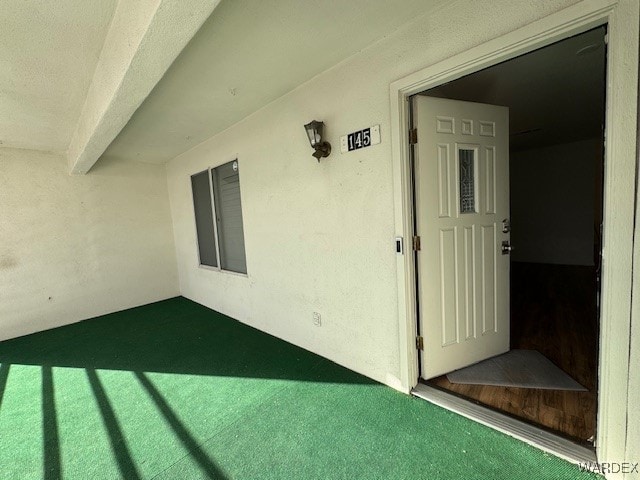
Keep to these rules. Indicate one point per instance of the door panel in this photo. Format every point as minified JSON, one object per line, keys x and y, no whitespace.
{"x":462,"y":197}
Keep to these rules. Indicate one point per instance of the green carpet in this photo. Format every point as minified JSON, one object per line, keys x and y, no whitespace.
{"x":174,"y":390}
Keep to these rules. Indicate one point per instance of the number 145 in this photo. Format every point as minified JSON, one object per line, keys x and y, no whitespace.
{"x":359,"y":139}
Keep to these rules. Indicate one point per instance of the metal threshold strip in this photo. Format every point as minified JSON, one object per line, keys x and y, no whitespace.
{"x":535,"y":436}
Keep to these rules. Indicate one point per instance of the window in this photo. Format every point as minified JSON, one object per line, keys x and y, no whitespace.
{"x":218,"y":212}
{"x":467,"y":179}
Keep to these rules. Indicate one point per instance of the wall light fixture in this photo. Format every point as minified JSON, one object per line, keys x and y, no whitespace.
{"x":315,"y":131}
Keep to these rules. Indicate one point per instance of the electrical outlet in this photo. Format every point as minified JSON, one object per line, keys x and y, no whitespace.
{"x":317,"y":319}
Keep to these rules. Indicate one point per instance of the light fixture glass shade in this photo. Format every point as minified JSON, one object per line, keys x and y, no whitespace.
{"x":314,"y":132}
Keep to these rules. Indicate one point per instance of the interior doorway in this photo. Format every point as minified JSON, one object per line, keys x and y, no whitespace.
{"x":556,"y":101}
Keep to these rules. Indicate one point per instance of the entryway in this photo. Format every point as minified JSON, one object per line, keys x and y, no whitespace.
{"x":508,"y":174}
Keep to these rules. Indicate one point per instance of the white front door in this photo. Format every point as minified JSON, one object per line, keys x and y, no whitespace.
{"x":462,"y":202}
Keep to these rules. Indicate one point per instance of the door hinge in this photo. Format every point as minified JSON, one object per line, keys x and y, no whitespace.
{"x":413,"y":136}
{"x":416,"y":243}
{"x":419,"y":343}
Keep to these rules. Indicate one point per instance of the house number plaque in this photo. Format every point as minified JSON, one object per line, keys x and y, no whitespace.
{"x":360,"y":139}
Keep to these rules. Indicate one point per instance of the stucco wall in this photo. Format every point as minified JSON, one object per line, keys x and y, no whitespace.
{"x":72,"y":248}
{"x":320,"y":236}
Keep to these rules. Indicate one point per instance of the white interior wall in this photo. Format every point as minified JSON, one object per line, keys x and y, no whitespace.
{"x":77,"y":247}
{"x":320,"y":236}
{"x":553,"y":203}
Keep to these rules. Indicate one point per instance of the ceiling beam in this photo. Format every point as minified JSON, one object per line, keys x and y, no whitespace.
{"x":144,"y":39}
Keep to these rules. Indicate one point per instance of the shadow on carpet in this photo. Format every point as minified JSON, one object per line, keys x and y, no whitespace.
{"x":175,"y":390}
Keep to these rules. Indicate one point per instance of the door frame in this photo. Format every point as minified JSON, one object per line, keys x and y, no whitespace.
{"x":621,"y":18}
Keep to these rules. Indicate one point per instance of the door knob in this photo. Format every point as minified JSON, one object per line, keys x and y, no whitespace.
{"x":506,"y":247}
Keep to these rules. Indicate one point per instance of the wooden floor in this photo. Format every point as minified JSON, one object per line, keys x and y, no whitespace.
{"x":553,"y":310}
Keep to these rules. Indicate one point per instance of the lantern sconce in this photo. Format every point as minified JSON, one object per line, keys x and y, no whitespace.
{"x":315,"y":131}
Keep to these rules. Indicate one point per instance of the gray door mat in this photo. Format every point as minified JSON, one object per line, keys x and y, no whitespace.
{"x":517,"y":368}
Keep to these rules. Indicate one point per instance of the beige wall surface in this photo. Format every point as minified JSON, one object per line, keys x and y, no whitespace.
{"x":320,"y":236}
{"x":72,"y":248}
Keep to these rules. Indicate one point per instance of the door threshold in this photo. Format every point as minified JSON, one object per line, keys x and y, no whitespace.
{"x":537,"y":437}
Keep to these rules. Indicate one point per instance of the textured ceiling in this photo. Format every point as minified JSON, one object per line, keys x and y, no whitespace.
{"x":48,"y":53}
{"x":247,"y":54}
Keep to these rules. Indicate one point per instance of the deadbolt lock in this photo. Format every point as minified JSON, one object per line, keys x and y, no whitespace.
{"x":506,"y":226}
